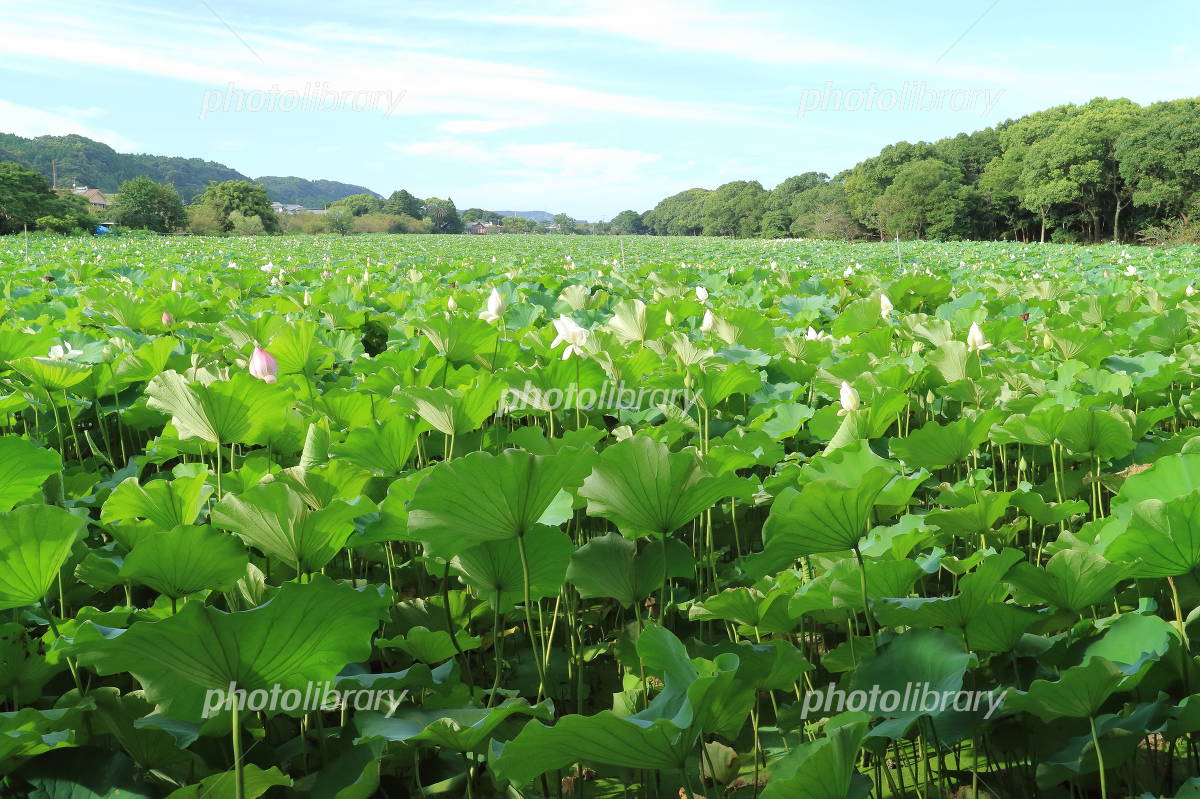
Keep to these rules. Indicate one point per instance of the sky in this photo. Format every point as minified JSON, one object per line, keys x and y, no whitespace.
{"x":582,"y":107}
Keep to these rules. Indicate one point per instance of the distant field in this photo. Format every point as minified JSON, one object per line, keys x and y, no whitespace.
{"x":589,"y":516}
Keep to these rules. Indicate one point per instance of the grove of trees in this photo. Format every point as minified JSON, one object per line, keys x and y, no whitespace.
{"x":1104,"y":170}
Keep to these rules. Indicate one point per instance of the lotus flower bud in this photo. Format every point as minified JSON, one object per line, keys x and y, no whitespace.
{"x":263,"y":365}
{"x":307,"y":300}
{"x":849,"y":398}
{"x":326,"y":274}
{"x":701,"y":293}
{"x":167,"y":319}
{"x":669,"y":318}
{"x":175,"y":285}
{"x":885,"y":306}
{"x":706,"y":324}
{"x":495,"y":308}
{"x":975,"y":339}
{"x":1189,"y":291}
{"x":451,"y":304}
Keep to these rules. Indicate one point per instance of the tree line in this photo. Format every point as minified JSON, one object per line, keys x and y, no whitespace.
{"x":1107,"y":170}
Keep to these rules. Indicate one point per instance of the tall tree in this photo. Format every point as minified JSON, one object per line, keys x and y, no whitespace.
{"x":143,"y":204}
{"x":924,"y":199}
{"x":443,"y":216}
{"x":239,"y":195}
{"x":627,"y":223}
{"x":1160,"y":159}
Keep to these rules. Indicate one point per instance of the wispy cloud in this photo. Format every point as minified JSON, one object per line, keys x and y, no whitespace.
{"x":29,"y":122}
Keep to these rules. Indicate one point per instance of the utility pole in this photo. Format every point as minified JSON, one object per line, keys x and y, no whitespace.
{"x":54,"y":174}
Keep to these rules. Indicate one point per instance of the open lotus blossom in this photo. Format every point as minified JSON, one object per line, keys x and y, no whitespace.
{"x":706,"y":324}
{"x":64,"y":352}
{"x":885,"y":306}
{"x":495,"y":308}
{"x":167,"y":319}
{"x":231,"y":265}
{"x":1131,"y":270}
{"x":815,"y":335}
{"x":976,"y":342}
{"x":849,"y":398}
{"x":571,"y":334}
{"x":1189,"y":291}
{"x":326,"y":274}
{"x":701,"y":293}
{"x":267,"y":267}
{"x":263,"y":365}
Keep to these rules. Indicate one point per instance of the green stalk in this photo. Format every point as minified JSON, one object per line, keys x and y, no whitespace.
{"x":1099,"y":759}
{"x":541,"y":667}
{"x":239,"y":780}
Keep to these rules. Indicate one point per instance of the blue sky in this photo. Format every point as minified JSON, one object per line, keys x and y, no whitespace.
{"x":583,"y":107}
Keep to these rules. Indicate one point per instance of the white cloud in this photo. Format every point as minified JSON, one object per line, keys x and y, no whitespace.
{"x":29,"y":122}
{"x":490,"y":125}
{"x":565,"y":159}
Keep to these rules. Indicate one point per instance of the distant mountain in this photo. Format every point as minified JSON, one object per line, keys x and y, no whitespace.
{"x":87,"y":162}
{"x":309,"y":193}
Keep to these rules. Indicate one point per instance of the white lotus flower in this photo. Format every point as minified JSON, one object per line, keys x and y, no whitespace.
{"x":63,"y":352}
{"x":495,"y":308}
{"x":706,"y":324}
{"x":669,"y":318}
{"x":848,"y":271}
{"x":307,"y":298}
{"x":175,"y":285}
{"x":231,"y":265}
{"x":701,"y":293}
{"x":571,"y":334}
{"x":1189,"y":291}
{"x":267,"y":267}
{"x":816,"y":335}
{"x":451,"y":304}
{"x":849,"y":399}
{"x":885,"y":306}
{"x":1130,"y":270}
{"x":976,"y":342}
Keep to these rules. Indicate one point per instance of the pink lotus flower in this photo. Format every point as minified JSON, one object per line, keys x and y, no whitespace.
{"x":167,"y":319}
{"x":263,"y":365}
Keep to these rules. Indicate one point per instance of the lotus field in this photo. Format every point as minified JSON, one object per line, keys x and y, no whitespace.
{"x":581,"y":517}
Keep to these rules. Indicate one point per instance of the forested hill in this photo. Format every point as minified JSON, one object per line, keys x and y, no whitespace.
{"x":92,"y":163}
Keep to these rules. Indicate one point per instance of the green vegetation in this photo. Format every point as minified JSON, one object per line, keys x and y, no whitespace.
{"x":595,"y":517}
{"x":26,"y":202}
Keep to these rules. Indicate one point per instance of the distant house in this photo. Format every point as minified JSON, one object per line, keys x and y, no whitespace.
{"x":492,"y":228}
{"x":290,"y":209}
{"x":476,"y":228}
{"x":95,"y":197}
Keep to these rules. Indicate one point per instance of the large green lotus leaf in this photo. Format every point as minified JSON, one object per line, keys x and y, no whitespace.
{"x":1163,"y":538}
{"x":274,"y":518}
{"x":456,"y":411}
{"x":297,"y":349}
{"x":978,"y":517}
{"x":1072,"y":580}
{"x":165,"y":503}
{"x":825,"y":768}
{"x":1132,"y":640}
{"x":23,"y":468}
{"x":1040,"y":428}
{"x":998,"y":627}
{"x":870,"y":422}
{"x":151,"y":746}
{"x":645,"y":489}
{"x":824,"y":516}
{"x":935,"y":446}
{"x":1096,"y":432}
{"x":931,"y":657}
{"x":391,"y":524}
{"x":186,"y":560}
{"x":610,"y":566}
{"x":382,"y":448}
{"x":953,"y":362}
{"x":242,"y":409}
{"x":484,"y":497}
{"x":430,"y":646}
{"x":28,"y":732}
{"x":146,"y":361}
{"x":35,"y":541}
{"x":739,"y":605}
{"x":712,"y":386}
{"x":256,"y":782}
{"x":1032,"y":503}
{"x":461,"y":339}
{"x":1169,"y":477}
{"x":1077,"y":693}
{"x":320,"y":485}
{"x":467,"y":729}
{"x":306,"y":634}
{"x":493,"y":568}
{"x":52,"y":374}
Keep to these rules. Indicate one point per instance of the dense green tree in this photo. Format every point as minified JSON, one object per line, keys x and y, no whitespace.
{"x":519,"y":224}
{"x":563,"y":223}
{"x":627,"y":223}
{"x":26,"y":198}
{"x":248,"y":198}
{"x":401,"y":202}
{"x":1160,"y":159}
{"x":341,"y":220}
{"x":146,"y":205}
{"x":481,"y":215}
{"x":735,"y":209}
{"x":680,"y":214}
{"x":442,"y":215}
{"x":359,"y":204}
{"x":867,"y":181}
{"x":923,"y":200}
